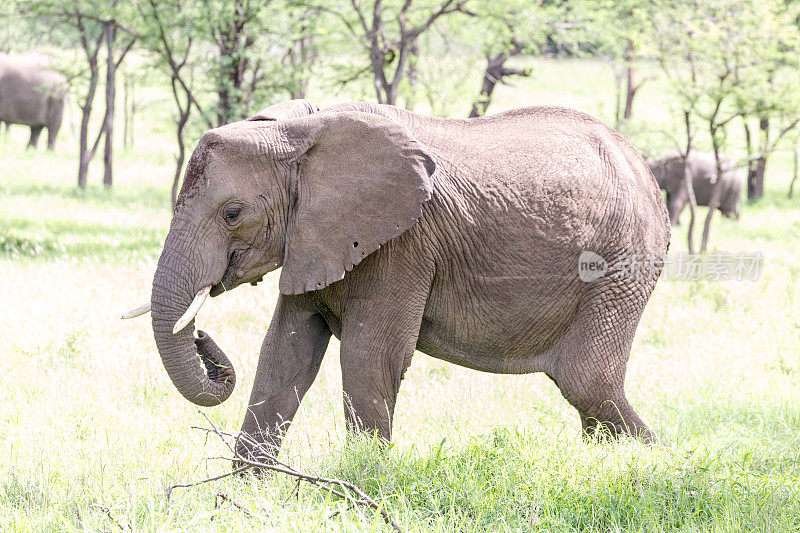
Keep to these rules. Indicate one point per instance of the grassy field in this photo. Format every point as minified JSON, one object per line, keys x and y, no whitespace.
{"x":92,"y":431}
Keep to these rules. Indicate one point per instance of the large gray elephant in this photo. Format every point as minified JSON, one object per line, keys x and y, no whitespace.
{"x":668,"y":171}
{"x":501,"y":243}
{"x":33,"y":96}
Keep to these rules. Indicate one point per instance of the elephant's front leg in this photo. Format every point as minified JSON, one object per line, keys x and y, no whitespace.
{"x":291,"y":355}
{"x":379,"y":335}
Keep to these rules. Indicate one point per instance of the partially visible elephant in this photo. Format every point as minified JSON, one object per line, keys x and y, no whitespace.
{"x":500,"y":243}
{"x":33,"y":96}
{"x":668,"y":172}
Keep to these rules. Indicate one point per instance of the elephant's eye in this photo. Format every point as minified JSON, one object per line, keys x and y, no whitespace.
{"x":232,"y":213}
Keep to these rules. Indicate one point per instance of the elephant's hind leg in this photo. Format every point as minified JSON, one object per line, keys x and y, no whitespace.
{"x":589,"y":362}
{"x":51,"y":138}
{"x":35,"y":132}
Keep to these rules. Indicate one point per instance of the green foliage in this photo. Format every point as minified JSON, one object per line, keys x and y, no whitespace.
{"x":730,"y":58}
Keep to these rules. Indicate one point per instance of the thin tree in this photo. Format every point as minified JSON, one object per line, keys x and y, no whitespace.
{"x":129,"y":105}
{"x":687,"y":181}
{"x":496,"y":72}
{"x":111,"y":30}
{"x":795,"y":169}
{"x":716,"y":128}
{"x":715,"y":58}
{"x":302,"y":51}
{"x":233,"y":27}
{"x":389,"y":36}
{"x":91,"y":23}
{"x":91,"y":38}
{"x":619,"y":29}
{"x":166,"y":32}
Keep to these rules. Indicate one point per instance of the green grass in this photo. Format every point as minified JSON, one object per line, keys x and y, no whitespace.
{"x":92,"y":431}
{"x":26,"y":237}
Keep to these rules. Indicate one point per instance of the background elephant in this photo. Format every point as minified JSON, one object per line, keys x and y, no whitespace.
{"x":668,"y":172}
{"x":33,"y":96}
{"x":397,"y":231}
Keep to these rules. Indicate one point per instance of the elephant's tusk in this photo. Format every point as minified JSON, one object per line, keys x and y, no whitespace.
{"x":139,"y":311}
{"x":194,"y":307}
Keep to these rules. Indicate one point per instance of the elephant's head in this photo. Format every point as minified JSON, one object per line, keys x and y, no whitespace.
{"x":314,"y":192}
{"x":731,"y":195}
{"x":666,"y":169}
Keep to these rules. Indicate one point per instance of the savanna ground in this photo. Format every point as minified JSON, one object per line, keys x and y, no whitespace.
{"x":92,"y":431}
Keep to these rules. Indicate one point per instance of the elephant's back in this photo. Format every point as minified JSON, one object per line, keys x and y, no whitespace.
{"x":26,"y":90}
{"x":550,"y":175}
{"x":561,"y":174}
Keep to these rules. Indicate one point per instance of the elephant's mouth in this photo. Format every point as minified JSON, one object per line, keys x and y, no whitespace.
{"x":227,"y":284}
{"x":216,"y":290}
{"x":236,"y":274}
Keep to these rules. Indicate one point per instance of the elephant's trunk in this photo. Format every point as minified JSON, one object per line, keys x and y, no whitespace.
{"x":173,"y":290}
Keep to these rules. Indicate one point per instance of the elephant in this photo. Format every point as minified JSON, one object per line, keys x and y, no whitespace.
{"x":668,"y":172}
{"x":461,"y":238}
{"x":32,"y":95}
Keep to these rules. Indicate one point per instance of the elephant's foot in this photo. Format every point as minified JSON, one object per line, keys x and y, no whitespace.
{"x":610,"y":423}
{"x":256,"y":452}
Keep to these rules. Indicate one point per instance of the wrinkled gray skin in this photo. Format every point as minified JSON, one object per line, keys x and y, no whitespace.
{"x":668,"y":172}
{"x":397,"y":231}
{"x":32,"y":96}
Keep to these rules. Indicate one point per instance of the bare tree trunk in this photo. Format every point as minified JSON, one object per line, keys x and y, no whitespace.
{"x":755,"y":175}
{"x":713,"y":203}
{"x":177,"y":62}
{"x":795,"y":170}
{"x":386,"y":53}
{"x":301,"y":54}
{"x":176,"y":177}
{"x":618,"y":78}
{"x":492,"y":74}
{"x":413,"y":75}
{"x":687,"y":179}
{"x":632,"y":86}
{"x":91,"y":47}
{"x":226,"y":85}
{"x":132,"y":129}
{"x":183,"y":118}
{"x":495,"y":73}
{"x":234,"y":43}
{"x":760,"y":170}
{"x":126,"y":116}
{"x":84,"y":155}
{"x":391,"y":94}
{"x":748,"y":145}
{"x":83,"y":149}
{"x":111,"y":89}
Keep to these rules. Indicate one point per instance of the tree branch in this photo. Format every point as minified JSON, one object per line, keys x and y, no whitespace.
{"x":337,"y":487}
{"x":174,"y":66}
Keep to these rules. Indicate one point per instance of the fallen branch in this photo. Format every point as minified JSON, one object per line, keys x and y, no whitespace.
{"x":106,"y":511}
{"x":208,"y":480}
{"x":222,"y":497}
{"x":337,"y":487}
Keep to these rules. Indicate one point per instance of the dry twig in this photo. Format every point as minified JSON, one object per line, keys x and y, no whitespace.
{"x":222,"y":497}
{"x":106,"y":511}
{"x":337,"y":487}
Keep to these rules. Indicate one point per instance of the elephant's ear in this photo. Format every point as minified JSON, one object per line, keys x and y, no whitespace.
{"x":285,"y":110}
{"x":361,"y":181}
